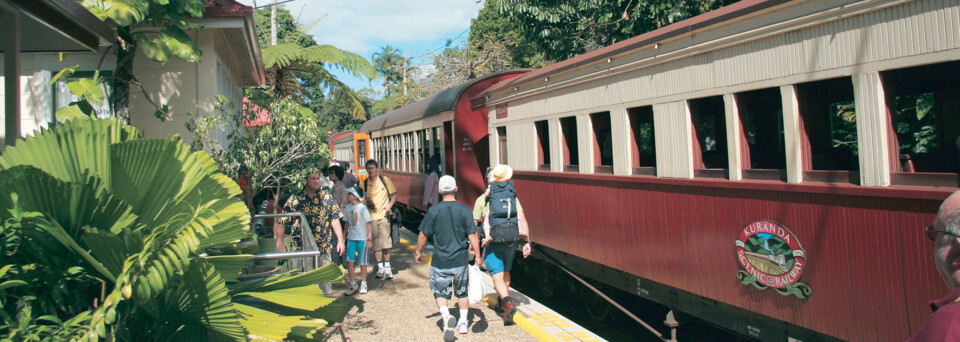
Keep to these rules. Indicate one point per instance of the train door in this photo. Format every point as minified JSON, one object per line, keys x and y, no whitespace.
{"x":360,"y":159}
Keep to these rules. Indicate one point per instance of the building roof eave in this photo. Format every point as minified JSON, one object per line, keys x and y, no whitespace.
{"x":74,"y":26}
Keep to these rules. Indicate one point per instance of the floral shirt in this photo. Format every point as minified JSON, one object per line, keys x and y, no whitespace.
{"x":319,"y":210}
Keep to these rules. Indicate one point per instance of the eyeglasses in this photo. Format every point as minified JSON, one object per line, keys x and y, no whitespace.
{"x":932,"y":233}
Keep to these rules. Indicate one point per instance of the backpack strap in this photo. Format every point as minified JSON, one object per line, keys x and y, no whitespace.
{"x":385,"y":188}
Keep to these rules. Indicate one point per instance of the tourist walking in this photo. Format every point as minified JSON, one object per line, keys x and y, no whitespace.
{"x":449,"y":227}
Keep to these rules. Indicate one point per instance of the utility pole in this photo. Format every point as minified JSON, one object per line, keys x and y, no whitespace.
{"x":273,"y":23}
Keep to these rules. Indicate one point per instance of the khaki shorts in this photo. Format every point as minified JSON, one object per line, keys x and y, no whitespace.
{"x":381,"y":235}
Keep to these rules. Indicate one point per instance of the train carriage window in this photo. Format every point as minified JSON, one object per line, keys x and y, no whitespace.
{"x":422,"y":150}
{"x":394,"y":153}
{"x":710,"y":131}
{"x":763,"y":155}
{"x":361,"y":153}
{"x":571,"y":153}
{"x":502,"y":143}
{"x":830,"y":123}
{"x":408,"y":152}
{"x":922,"y":103}
{"x":543,"y":145}
{"x":602,"y":142}
{"x":435,"y":137}
{"x":643,"y":143}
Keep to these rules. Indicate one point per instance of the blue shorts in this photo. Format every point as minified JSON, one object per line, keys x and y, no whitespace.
{"x":354,"y":247}
{"x":499,"y":257}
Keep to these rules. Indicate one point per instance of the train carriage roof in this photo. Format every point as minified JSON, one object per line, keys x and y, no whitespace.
{"x":730,"y":12}
{"x":441,"y":102}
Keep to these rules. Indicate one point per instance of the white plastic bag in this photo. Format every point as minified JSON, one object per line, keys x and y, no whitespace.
{"x":475,"y":289}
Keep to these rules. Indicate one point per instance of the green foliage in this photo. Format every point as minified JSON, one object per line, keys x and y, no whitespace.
{"x":297,"y":67}
{"x":288,"y":30}
{"x":491,"y":26}
{"x":86,"y":90}
{"x":276,"y":154}
{"x":103,"y":236}
{"x":156,"y":27}
{"x":168,"y":15}
{"x":843,"y":126}
{"x":917,"y":123}
{"x":566,"y":28}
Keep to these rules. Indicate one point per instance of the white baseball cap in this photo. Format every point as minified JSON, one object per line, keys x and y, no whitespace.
{"x":447,"y":184}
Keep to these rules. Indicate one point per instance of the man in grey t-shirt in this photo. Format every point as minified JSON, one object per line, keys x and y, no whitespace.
{"x":449,"y":226}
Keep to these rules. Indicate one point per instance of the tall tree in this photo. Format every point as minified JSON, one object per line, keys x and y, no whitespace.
{"x":565,"y":28}
{"x":391,"y":64}
{"x":297,"y":58}
{"x":492,"y":28}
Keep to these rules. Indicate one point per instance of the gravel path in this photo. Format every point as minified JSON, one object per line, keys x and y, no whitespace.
{"x":403,"y":309}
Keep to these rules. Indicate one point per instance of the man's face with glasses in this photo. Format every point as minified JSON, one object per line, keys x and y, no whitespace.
{"x":933,"y":233}
{"x":946,"y":252}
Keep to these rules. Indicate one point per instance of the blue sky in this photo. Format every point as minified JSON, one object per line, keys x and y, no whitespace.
{"x":415,"y":27}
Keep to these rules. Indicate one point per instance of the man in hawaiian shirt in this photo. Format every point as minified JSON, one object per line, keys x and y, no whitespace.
{"x":322,"y":213}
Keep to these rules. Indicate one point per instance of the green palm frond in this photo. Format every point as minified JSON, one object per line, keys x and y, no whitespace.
{"x":341,"y":93}
{"x":216,"y":311}
{"x":307,"y":298}
{"x":347,"y":61}
{"x":264,"y":325}
{"x":138,"y":211}
{"x":67,"y":153}
{"x":284,"y":55}
{"x":229,"y":266}
{"x":328,"y":273}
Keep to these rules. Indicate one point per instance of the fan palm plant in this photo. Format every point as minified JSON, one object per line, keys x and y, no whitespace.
{"x":104,"y":236}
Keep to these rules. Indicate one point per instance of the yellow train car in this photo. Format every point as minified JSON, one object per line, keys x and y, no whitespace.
{"x":351,"y":147}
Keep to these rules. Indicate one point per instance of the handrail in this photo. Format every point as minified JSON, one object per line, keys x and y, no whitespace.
{"x":308,"y":245}
{"x":285,"y":255}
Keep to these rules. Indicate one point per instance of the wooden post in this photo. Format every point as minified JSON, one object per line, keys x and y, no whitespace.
{"x":11,"y":73}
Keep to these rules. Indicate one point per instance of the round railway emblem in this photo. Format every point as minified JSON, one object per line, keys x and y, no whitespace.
{"x":771,"y":256}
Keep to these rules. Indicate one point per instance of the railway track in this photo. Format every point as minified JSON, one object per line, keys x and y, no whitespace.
{"x":545,"y":283}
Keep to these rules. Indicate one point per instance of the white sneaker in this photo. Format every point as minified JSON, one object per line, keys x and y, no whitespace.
{"x":380,"y":272}
{"x":448,"y":325}
{"x":351,"y":289}
{"x":387,"y":273}
{"x":363,"y":287}
{"x":462,"y":325}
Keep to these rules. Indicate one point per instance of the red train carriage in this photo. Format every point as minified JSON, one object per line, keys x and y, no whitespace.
{"x":444,"y":124}
{"x":767,"y":167}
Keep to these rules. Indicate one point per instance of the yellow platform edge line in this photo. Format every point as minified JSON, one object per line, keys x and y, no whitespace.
{"x":413,"y":248}
{"x":522,"y":321}
{"x":533,"y":329}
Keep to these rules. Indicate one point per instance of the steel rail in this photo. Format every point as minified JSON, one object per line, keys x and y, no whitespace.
{"x":307,"y":243}
{"x":670,"y":322}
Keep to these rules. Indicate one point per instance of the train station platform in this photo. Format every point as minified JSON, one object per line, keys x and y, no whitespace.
{"x":403,"y":309}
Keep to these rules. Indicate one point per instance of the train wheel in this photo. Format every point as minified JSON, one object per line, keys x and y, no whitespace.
{"x":597,"y":307}
{"x":547,"y":282}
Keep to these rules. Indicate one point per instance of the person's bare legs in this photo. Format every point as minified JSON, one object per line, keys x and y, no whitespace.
{"x":363,"y":272}
{"x":500,"y":284}
{"x":350,"y":277}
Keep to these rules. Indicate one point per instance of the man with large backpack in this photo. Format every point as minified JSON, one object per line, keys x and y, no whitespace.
{"x":502,"y":213}
{"x":380,"y":196}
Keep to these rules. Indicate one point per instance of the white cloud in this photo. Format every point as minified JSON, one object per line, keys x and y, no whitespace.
{"x":363,"y":26}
